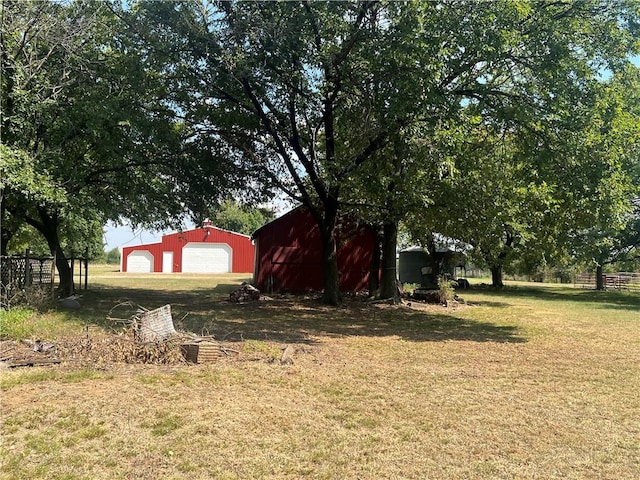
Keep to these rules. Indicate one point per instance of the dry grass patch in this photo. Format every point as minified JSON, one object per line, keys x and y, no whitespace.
{"x":539,"y":383}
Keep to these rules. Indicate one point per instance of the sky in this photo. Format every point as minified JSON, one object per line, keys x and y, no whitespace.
{"x":125,"y":236}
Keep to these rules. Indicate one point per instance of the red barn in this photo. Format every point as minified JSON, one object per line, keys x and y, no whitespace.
{"x":203,"y":250}
{"x":289,"y":254}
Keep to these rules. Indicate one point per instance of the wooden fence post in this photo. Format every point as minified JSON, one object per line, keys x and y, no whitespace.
{"x":53,"y":277}
{"x":27,"y":269}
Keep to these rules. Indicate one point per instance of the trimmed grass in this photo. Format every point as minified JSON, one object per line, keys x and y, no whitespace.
{"x":531,"y":382}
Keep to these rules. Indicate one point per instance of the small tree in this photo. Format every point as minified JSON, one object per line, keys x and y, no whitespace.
{"x":236,"y":217}
{"x":113,"y":256}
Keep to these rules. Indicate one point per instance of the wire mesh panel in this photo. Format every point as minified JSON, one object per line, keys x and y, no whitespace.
{"x":13,"y":272}
{"x":42,"y":270}
{"x":18,"y":273}
{"x":156,"y":325}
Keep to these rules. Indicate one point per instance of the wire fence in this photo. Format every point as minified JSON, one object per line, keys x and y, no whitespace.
{"x":617,"y":281}
{"x":19,"y":273}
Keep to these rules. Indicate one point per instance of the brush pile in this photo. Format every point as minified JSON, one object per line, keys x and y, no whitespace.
{"x":122,"y":347}
{"x":150,"y":337}
{"x":244,"y":293}
{"x":27,"y":353}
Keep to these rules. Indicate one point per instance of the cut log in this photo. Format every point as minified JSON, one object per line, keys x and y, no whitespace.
{"x":34,"y":362}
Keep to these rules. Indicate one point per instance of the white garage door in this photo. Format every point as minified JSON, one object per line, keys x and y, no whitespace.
{"x":140,"y":261}
{"x":206,"y":258}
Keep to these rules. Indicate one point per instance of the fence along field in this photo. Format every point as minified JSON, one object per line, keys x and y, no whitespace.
{"x":19,"y":273}
{"x":619,"y":281}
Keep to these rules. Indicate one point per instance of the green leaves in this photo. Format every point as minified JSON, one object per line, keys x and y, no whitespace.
{"x":493,"y":117}
{"x":233,"y":216}
{"x":21,"y":182}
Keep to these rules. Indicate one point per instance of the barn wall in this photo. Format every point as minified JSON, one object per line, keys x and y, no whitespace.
{"x":354,"y":259}
{"x":289,"y":254}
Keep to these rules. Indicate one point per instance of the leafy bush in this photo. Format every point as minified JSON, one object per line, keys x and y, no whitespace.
{"x":409,"y":288}
{"x":446,"y":292}
{"x":113,"y":257}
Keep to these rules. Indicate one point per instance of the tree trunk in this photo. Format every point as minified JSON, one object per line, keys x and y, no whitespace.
{"x":5,"y":236}
{"x":5,"y":233}
{"x":599,"y":278}
{"x":496,"y":276}
{"x":65,"y":275}
{"x":49,"y":229}
{"x":374,"y":270}
{"x":331,"y":295}
{"x":389,"y":283}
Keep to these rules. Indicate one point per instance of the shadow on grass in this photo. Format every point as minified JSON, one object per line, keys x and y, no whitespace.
{"x":290,"y":319}
{"x":615,"y":299}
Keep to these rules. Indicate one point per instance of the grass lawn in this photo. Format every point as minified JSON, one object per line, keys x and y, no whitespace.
{"x":536,"y":381}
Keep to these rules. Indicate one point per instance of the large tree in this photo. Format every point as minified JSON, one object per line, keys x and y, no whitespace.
{"x":548,"y":191}
{"x":91,"y":117}
{"x":275,"y":81}
{"x":610,"y":231}
{"x":67,"y":101}
{"x":505,"y":92}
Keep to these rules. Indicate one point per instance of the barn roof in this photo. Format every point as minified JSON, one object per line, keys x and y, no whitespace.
{"x":276,"y":220}
{"x":210,"y":227}
{"x":422,"y":249}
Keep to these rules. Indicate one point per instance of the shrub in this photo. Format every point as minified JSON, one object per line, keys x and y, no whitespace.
{"x":409,"y":288}
{"x":113,"y":257}
{"x":446,"y":292}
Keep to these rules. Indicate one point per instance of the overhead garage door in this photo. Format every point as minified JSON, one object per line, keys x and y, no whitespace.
{"x":206,"y":258}
{"x":140,"y":261}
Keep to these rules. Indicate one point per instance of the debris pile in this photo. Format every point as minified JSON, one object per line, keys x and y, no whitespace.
{"x":141,"y":336}
{"x":27,"y":353}
{"x":154,"y":329}
{"x":244,"y":293}
{"x":122,"y":347}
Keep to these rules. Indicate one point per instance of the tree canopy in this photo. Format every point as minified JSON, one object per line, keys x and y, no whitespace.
{"x":86,"y":112}
{"x":241,"y":218}
{"x":477,"y":119}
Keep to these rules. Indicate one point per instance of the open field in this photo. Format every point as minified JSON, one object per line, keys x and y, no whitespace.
{"x":532,"y":382}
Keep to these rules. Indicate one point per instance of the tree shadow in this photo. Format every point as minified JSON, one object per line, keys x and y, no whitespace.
{"x":290,"y":319}
{"x":623,"y":300}
{"x":285,"y":323}
{"x":490,"y":303}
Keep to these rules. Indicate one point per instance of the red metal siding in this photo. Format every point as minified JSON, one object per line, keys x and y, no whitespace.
{"x":289,"y":254}
{"x":241,"y":247}
{"x":155,"y":249}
